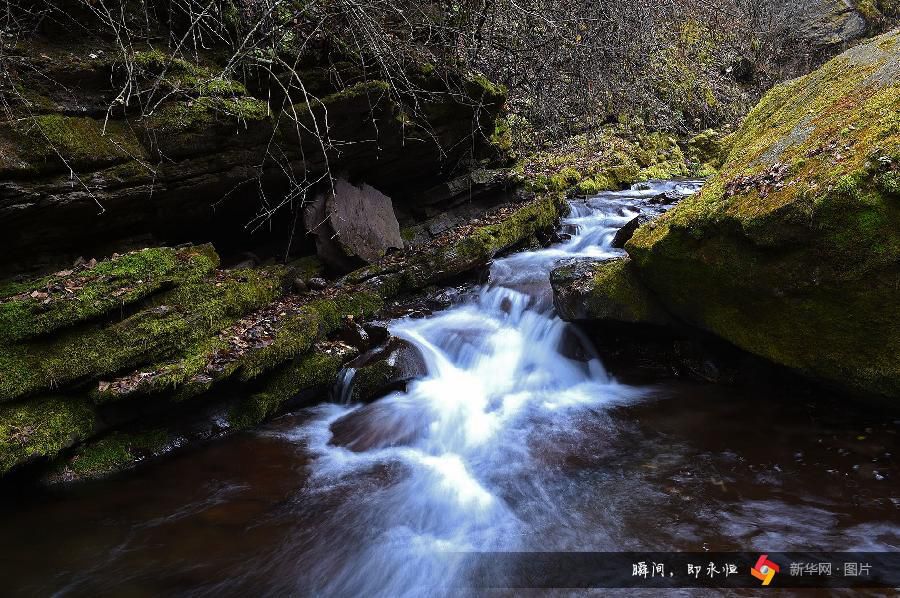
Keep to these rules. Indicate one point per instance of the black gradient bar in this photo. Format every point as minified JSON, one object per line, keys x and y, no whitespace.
{"x":676,"y":569}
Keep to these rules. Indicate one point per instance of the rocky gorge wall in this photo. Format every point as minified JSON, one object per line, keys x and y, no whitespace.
{"x":791,"y":251}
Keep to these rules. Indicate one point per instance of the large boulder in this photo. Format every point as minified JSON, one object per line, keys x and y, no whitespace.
{"x":792,"y":251}
{"x":352,"y":225}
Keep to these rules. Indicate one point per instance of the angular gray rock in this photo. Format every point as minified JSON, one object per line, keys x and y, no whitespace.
{"x":352,"y":225}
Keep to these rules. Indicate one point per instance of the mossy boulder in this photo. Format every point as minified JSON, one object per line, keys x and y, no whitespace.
{"x":792,"y":251}
{"x":605,"y":291}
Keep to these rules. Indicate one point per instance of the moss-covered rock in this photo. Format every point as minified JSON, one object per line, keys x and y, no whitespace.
{"x":793,"y":251}
{"x":705,"y":152}
{"x":606,"y":291}
{"x":114,"y":453}
{"x":463,"y":249}
{"x":257,"y":343}
{"x":610,"y":158}
{"x":48,"y":143}
{"x":313,"y":373}
{"x":178,"y":318}
{"x":42,"y":428}
{"x":68,"y":297}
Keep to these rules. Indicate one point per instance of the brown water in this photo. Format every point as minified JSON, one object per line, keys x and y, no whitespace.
{"x":694,"y":467}
{"x":507,"y":444}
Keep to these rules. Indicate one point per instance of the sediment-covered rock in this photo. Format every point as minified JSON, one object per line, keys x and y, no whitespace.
{"x":792,"y":251}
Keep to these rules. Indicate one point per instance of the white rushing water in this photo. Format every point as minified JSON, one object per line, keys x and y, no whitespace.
{"x":460,"y":448}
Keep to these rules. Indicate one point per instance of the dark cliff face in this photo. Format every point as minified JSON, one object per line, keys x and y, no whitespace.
{"x":105,"y":147}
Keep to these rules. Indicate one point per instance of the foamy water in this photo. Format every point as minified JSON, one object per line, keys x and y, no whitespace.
{"x":497,"y":376}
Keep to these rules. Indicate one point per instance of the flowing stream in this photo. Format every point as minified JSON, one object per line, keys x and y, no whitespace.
{"x":467,"y":434}
{"x":517,"y":439}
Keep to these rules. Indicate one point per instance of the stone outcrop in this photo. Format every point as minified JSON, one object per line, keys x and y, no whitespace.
{"x":792,"y":252}
{"x":109,"y":363}
{"x":352,"y":225}
{"x":626,"y":232}
{"x":80,"y":172}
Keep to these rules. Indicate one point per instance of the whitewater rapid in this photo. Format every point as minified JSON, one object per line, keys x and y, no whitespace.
{"x":459,"y":461}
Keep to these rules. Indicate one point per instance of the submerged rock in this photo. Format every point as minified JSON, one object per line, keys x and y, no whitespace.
{"x":792,"y":252}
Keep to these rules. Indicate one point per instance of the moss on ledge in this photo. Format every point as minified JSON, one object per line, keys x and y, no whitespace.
{"x":292,"y":326}
{"x":72,"y":296}
{"x":312,"y":373}
{"x":611,"y":158}
{"x":41,"y":429}
{"x":466,"y":249}
{"x":112,"y":454}
{"x":179,"y":318}
{"x":177,"y":74}
{"x":54,"y":143}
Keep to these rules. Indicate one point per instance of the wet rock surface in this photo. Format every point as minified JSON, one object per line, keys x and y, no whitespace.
{"x":383,"y":370}
{"x":626,"y":232}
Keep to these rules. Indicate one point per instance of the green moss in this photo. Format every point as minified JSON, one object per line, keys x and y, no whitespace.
{"x":306,"y":267}
{"x":195,"y":115}
{"x":179,"y":318}
{"x":799,"y":265}
{"x":609,"y":158}
{"x":370,"y":379}
{"x":53,"y":142}
{"x":189,"y":373}
{"x":41,"y":429}
{"x":365,"y":89}
{"x":59,"y":301}
{"x":606,"y":290}
{"x":480,"y":87}
{"x":312,"y":373}
{"x":112,"y":454}
{"x":502,"y":138}
{"x":177,"y":74}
